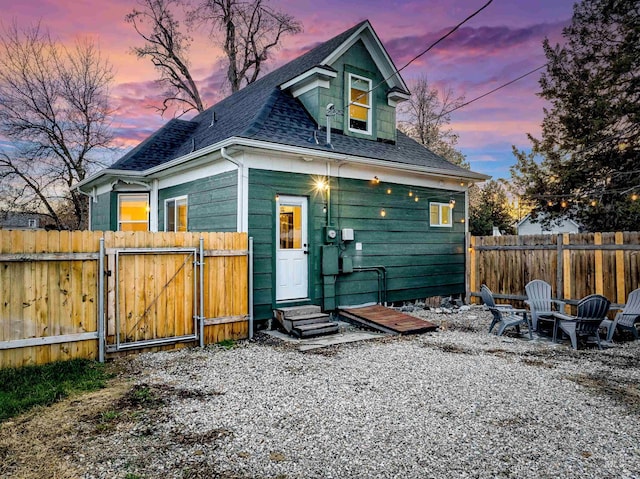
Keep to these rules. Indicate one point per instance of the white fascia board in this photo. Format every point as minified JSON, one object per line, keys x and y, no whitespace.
{"x":316,"y":77}
{"x":198,"y":157}
{"x":377,"y":52}
{"x":259,"y":159}
{"x":395,"y":97}
{"x":330,"y":155}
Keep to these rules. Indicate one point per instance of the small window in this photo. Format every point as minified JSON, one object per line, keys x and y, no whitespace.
{"x":133,"y":212}
{"x":33,"y":223}
{"x":440,"y":214}
{"x":359,"y":104}
{"x":175,"y":211}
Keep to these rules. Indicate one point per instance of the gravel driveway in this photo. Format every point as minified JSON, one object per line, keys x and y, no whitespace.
{"x":455,"y":403}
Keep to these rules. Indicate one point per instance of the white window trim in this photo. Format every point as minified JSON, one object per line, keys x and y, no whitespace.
{"x":441,"y":208}
{"x":121,"y":195}
{"x":369,"y":107}
{"x":166,"y":206}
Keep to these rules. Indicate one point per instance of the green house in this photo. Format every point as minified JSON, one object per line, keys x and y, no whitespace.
{"x":344,"y":209}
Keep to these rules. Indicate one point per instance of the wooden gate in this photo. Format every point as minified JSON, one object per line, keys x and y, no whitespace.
{"x":156,"y":297}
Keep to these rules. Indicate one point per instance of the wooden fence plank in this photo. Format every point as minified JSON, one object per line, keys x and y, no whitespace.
{"x":51,"y":281}
{"x":621,"y":296}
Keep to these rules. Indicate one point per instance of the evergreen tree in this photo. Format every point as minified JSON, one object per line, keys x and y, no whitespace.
{"x":586,"y":165}
{"x":489,"y":208}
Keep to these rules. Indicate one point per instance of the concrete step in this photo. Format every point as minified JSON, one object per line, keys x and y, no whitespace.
{"x":297,"y":310}
{"x":316,"y":329}
{"x":308,"y":318}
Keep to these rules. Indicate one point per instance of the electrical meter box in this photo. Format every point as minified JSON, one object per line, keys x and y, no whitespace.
{"x":330,"y":234}
{"x":347,"y":234}
{"x":330,"y":255}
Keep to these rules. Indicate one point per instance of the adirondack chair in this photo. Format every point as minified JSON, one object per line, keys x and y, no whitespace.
{"x":539,"y":301}
{"x":626,"y":318}
{"x":592,"y":310}
{"x":504,"y":315}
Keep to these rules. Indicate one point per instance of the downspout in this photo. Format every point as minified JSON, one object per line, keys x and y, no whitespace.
{"x":240,"y":226}
{"x":94,"y":199}
{"x":328,"y":193}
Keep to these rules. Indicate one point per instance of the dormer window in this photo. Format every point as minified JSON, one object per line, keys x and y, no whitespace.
{"x":360,"y":104}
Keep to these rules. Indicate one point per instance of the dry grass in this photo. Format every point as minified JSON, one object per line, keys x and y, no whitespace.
{"x":38,"y":444}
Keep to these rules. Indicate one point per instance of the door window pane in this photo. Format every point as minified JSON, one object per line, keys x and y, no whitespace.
{"x":290,"y":227}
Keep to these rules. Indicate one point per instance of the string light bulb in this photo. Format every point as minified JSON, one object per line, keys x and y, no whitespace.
{"x":594,"y":202}
{"x":563,"y":204}
{"x":383,"y":213}
{"x":410,"y":193}
{"x":388,"y":191}
{"x":549,"y":203}
{"x":376,"y":180}
{"x":634,"y":197}
{"x":416,"y":199}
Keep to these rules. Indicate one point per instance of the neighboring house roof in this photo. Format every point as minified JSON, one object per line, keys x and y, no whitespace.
{"x":565,"y":224}
{"x":263,"y":111}
{"x":18,"y":220}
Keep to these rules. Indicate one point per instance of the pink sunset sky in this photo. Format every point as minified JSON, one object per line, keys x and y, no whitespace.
{"x":501,"y":43}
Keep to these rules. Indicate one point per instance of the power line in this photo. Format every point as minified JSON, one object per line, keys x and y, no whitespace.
{"x":450,"y":32}
{"x":490,"y":92}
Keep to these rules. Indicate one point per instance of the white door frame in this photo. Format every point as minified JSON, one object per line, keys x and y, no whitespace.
{"x":292,"y":263}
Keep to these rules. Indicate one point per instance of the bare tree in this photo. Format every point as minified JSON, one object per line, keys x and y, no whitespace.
{"x":54,"y":113}
{"x":168,"y":48}
{"x":427,"y":121}
{"x":248,"y":31}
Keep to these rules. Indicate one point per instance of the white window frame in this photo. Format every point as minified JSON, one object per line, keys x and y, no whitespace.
{"x":32,"y":223}
{"x":369,"y":107}
{"x":123,"y":195}
{"x":175,"y":219}
{"x":442,"y":207}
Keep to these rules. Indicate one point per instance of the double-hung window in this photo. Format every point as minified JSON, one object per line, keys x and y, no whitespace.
{"x":440,"y":214}
{"x":133,"y":212}
{"x":359,"y":104}
{"x":175,"y":213}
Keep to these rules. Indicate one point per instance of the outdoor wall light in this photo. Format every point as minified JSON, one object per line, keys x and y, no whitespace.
{"x":452,"y":203}
{"x":321,"y":184}
{"x":277,"y":197}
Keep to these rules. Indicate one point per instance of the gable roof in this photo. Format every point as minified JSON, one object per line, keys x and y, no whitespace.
{"x":262,"y":111}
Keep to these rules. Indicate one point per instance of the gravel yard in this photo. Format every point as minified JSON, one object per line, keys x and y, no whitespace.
{"x":454,"y":403}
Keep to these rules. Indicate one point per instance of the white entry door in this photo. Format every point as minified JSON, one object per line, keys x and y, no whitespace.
{"x":292,"y":266}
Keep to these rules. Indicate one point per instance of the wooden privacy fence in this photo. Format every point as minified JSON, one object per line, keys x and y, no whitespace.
{"x":84,"y":294}
{"x":575,"y":265}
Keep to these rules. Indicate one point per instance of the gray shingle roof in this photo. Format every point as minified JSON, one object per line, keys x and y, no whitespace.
{"x":262,"y":111}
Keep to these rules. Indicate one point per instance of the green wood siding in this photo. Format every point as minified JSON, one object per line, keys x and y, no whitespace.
{"x":212,"y":203}
{"x":420,"y":260}
{"x":101,"y":213}
{"x":355,"y":60}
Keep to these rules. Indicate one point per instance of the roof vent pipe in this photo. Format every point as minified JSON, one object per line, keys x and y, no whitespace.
{"x":331,"y":111}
